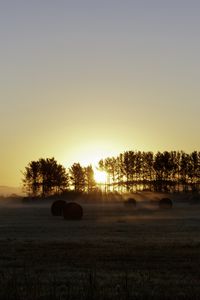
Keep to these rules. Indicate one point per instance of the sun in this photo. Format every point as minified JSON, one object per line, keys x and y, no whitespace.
{"x":100,"y":176}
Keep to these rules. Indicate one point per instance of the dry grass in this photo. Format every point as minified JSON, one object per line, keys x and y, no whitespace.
{"x":113,"y":253}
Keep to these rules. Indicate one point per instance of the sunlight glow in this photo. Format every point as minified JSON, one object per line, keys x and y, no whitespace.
{"x":89,"y":151}
{"x":100,"y":176}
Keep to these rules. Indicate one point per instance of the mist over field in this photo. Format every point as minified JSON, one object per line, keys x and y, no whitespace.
{"x":7,"y":191}
{"x":137,"y":252}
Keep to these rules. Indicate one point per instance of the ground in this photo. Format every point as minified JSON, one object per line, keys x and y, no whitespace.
{"x":114,"y":252}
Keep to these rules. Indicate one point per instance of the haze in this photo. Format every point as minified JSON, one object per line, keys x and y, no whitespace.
{"x":81,"y":80}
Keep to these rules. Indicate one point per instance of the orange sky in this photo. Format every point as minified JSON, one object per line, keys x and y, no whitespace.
{"x":81,"y":81}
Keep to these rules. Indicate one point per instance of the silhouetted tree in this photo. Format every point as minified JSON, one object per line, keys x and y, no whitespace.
{"x":184,"y":169}
{"x":163,"y":171}
{"x":110,"y":169}
{"x":148,"y":169}
{"x":193,"y":167}
{"x":119,"y":172}
{"x":89,"y":179}
{"x":77,"y":176}
{"x":103,"y":167}
{"x":131,"y":170}
{"x":45,"y":177}
{"x":128,"y":168}
{"x":31,"y":180}
{"x":139,"y":165}
{"x":158,"y":166}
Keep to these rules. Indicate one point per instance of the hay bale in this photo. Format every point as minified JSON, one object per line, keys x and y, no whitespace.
{"x":58,"y":207}
{"x":130,"y":202}
{"x":165,"y":203}
{"x":72,"y":211}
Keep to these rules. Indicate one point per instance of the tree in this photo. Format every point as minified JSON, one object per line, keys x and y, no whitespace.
{"x":129,"y":168}
{"x":119,"y":172}
{"x":184,"y":167}
{"x":45,"y":177}
{"x":147,"y":169}
{"x":77,"y":177}
{"x":158,"y":166}
{"x":31,"y":180}
{"x":89,"y":179}
{"x":110,"y":169}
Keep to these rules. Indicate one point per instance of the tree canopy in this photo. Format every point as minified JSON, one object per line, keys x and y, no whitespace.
{"x":130,"y":171}
{"x":45,"y":177}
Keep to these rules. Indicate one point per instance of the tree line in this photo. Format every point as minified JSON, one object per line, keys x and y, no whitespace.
{"x":46,"y":177}
{"x":168,"y":171}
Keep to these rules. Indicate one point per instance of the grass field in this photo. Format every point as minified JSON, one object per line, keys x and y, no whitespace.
{"x":114,"y":252}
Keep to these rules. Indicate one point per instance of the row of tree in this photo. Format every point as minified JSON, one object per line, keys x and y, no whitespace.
{"x":46,"y":177}
{"x":130,"y":171}
{"x":163,"y":171}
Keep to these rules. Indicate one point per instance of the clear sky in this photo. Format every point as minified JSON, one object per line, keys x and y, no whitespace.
{"x":83,"y":79}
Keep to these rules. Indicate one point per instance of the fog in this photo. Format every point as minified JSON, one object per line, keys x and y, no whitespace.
{"x":104,"y":218}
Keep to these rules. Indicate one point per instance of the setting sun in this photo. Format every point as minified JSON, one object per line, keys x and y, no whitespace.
{"x":100,"y":176}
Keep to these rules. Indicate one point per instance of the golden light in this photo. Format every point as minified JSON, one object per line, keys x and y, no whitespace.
{"x":100,"y":176}
{"x":89,"y":151}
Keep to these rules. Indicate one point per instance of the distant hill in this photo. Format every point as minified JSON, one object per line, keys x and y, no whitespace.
{"x":7,"y":190}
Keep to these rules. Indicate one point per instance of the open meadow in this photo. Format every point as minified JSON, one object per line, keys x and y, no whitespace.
{"x":114,"y":252}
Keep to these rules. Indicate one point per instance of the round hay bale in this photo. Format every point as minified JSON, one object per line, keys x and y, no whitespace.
{"x":72,"y":211}
{"x":57,"y":207}
{"x":130,"y":202}
{"x":165,"y":203}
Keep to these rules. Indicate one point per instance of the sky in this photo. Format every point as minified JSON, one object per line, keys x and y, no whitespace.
{"x":81,"y":80}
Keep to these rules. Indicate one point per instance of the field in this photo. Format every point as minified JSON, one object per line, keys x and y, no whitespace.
{"x":114,"y":252}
